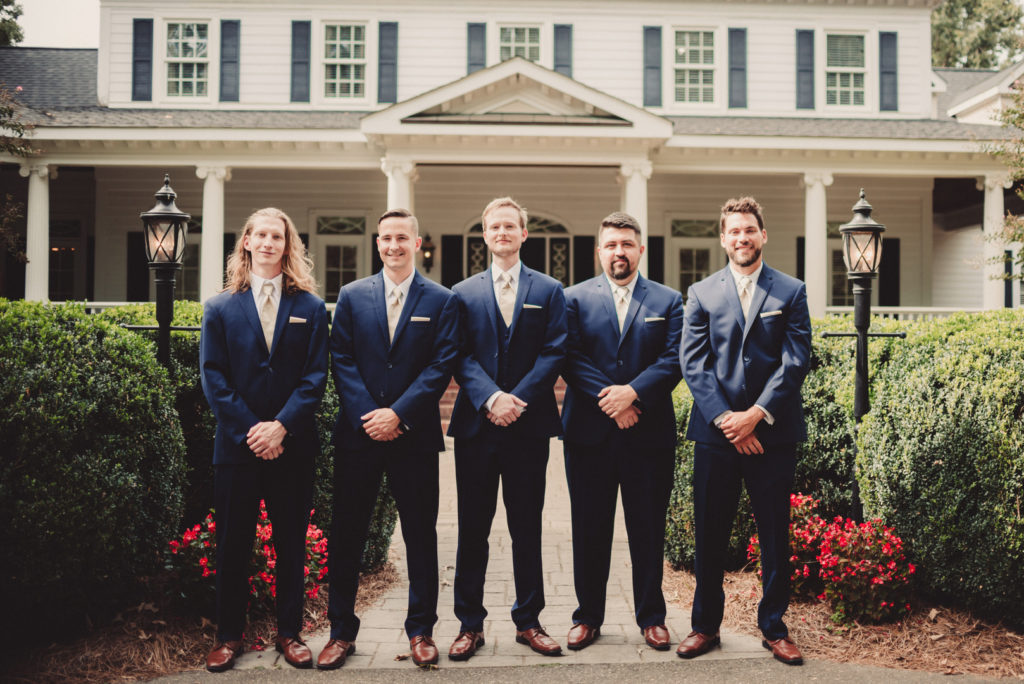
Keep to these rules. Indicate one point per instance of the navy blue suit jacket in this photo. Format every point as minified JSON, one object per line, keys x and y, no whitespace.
{"x":645,"y":356}
{"x":408,"y":374}
{"x":730,"y":364}
{"x":244,"y":384}
{"x":536,"y":348}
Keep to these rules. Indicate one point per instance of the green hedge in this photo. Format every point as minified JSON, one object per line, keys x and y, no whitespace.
{"x":942,"y":457}
{"x":199,"y":426}
{"x":92,"y":469}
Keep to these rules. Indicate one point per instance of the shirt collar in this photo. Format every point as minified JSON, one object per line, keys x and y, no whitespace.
{"x":402,"y":286}
{"x":754,"y":277}
{"x":515,"y":272}
{"x":630,"y":286}
{"x":256,"y":283}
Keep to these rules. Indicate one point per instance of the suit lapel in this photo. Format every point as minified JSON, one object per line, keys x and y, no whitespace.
{"x":639,"y":292}
{"x":380,"y":307}
{"x":247,"y":304}
{"x":761,"y":290}
{"x":607,"y":298}
{"x":415,"y":291}
{"x":525,"y":281}
{"x":284,"y":310}
{"x":731,"y":295}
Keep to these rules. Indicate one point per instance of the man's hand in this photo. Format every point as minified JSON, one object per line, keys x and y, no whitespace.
{"x":264,"y":439}
{"x":506,"y":409}
{"x":615,"y":400}
{"x":382,"y":425}
{"x":738,"y":425}
{"x":628,"y":418}
{"x":749,"y":445}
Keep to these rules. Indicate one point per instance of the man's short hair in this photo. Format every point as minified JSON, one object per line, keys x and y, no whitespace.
{"x":400,"y":213}
{"x":619,"y":219}
{"x":501,"y":202}
{"x":743,"y":205}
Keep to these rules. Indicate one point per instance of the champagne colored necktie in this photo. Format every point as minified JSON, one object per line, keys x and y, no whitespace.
{"x":621,"y":304}
{"x":394,"y":312}
{"x":268,"y":313}
{"x":745,"y":295}
{"x":506,"y":299}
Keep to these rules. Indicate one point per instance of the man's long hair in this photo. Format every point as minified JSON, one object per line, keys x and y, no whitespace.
{"x":296,"y":266}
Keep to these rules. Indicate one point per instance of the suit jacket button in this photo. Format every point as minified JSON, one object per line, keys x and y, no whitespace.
{"x":382,"y":394}
{"x":389,"y":365}
{"x":746,"y":359}
{"x":619,"y":362}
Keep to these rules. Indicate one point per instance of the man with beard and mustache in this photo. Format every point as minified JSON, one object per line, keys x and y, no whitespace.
{"x":745,"y":352}
{"x":620,"y":429}
{"x":393,"y":343}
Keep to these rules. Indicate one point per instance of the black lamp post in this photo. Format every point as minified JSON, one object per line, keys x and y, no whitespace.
{"x":862,"y":252}
{"x":428,"y":253}
{"x":166,"y":228}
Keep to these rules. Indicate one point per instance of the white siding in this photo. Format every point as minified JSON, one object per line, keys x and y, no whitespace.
{"x":956,"y":256}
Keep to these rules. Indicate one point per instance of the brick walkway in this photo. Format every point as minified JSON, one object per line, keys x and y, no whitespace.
{"x":382,"y":638}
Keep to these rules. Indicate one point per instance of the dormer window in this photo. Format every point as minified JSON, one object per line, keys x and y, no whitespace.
{"x":188,"y":59}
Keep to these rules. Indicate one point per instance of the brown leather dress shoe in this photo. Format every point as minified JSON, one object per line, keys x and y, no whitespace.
{"x":582,"y":635}
{"x":223,"y":655}
{"x":697,"y":643}
{"x":537,"y":639}
{"x":465,"y":645}
{"x":295,"y":651}
{"x":334,"y":654}
{"x":657,"y":637}
{"x":424,"y":652}
{"x":784,"y":650}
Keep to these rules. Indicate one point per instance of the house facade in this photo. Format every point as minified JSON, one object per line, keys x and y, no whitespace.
{"x":335,"y":112}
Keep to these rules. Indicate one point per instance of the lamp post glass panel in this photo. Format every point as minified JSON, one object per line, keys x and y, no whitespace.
{"x":166,"y":227}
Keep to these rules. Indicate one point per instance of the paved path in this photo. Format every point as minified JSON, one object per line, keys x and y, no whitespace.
{"x":382,"y":638}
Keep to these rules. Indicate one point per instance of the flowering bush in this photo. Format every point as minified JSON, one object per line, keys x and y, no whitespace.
{"x":865,"y":571}
{"x":194,"y":557}
{"x":860,"y":569}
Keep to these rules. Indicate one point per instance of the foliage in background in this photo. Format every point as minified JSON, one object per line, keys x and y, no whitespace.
{"x":806,"y":529}
{"x":199,"y":425}
{"x":1010,"y":152}
{"x":976,"y":34}
{"x":10,"y":31}
{"x":92,"y":466}
{"x":12,"y":142}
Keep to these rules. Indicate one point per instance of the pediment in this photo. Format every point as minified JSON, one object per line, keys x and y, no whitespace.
{"x":516,"y":93}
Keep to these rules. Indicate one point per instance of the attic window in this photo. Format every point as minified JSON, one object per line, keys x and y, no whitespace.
{"x":520,"y":41}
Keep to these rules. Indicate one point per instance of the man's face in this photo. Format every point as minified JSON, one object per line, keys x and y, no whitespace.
{"x":619,"y":252}
{"x":502,"y":232}
{"x":397,"y":243}
{"x":266,"y":243}
{"x":743,"y":239}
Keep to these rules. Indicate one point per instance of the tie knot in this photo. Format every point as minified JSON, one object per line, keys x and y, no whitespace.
{"x":396,"y":296}
{"x":267,"y":289}
{"x":622,"y":292}
{"x":506,"y":280}
{"x":744,"y":283}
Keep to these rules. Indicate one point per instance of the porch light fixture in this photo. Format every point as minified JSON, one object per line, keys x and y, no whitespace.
{"x":862,"y":243}
{"x":166,"y":227}
{"x":428,"y":253}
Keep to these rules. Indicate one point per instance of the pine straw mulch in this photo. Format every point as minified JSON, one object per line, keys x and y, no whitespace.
{"x":932,"y":638}
{"x":150,"y":640}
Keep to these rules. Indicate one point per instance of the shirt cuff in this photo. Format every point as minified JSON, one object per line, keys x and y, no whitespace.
{"x":491,"y":399}
{"x":721,"y":416}
{"x":768,"y":418}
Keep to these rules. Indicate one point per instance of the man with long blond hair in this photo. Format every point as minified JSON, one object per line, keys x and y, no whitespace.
{"x":263,"y":359}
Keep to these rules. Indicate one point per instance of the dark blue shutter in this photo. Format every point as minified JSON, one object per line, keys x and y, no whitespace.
{"x":230,"y":30}
{"x":563,"y":49}
{"x":476,"y":47}
{"x":300,"y":61}
{"x":805,"y":69}
{"x":142,"y":60}
{"x":652,"y":66}
{"x":387,"y":63}
{"x":737,"y":67}
{"x":887,"y":82}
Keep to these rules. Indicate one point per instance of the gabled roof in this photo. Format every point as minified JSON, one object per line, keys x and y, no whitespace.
{"x":517,"y":92}
{"x":993,"y":85}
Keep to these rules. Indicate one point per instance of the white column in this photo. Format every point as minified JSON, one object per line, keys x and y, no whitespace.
{"x":816,"y":241}
{"x":401,"y":175}
{"x":633,"y":177}
{"x":37,"y":238}
{"x":993,"y":288}
{"x":211,"y":248}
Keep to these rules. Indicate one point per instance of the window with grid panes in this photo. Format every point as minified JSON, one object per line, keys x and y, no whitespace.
{"x":345,"y":60}
{"x":695,"y":67}
{"x":187,"y":59}
{"x":519,"y":41}
{"x":844,"y":70}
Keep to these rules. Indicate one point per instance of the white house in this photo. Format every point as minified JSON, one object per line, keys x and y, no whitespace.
{"x":335,"y":112}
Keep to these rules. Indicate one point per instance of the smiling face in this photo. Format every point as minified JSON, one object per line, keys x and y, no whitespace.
{"x":619,"y":251}
{"x":503,"y":232}
{"x":267,"y":245}
{"x":743,"y":240}
{"x":397,"y":244}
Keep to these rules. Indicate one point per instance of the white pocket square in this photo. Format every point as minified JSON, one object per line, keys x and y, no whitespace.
{"x":532,"y":306}
{"x":296,"y":319}
{"x":769,"y":314}
{"x":653,"y":319}
{"x":419,"y":319}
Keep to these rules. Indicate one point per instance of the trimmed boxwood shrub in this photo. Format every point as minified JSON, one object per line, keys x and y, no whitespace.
{"x":92,"y":468}
{"x":942,"y":457}
{"x":199,"y":425}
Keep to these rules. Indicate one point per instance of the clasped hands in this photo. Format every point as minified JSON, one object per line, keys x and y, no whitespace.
{"x":264,"y":439}
{"x":738,"y":428}
{"x":617,"y":403}
{"x":506,"y":409}
{"x":382,"y":425}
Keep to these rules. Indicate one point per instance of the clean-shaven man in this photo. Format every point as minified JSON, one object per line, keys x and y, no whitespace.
{"x":263,"y":360}
{"x":511,"y":348}
{"x":745,"y":352}
{"x":620,"y":428}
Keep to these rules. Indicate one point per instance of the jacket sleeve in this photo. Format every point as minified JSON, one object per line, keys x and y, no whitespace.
{"x":309,"y":392}
{"x":355,"y":399}
{"x":783,"y":386}
{"x":432,"y":381}
{"x":697,"y":359}
{"x":580,"y":370}
{"x":470,"y":375}
{"x":233,"y":415}
{"x":661,"y":377}
{"x":541,"y":378}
